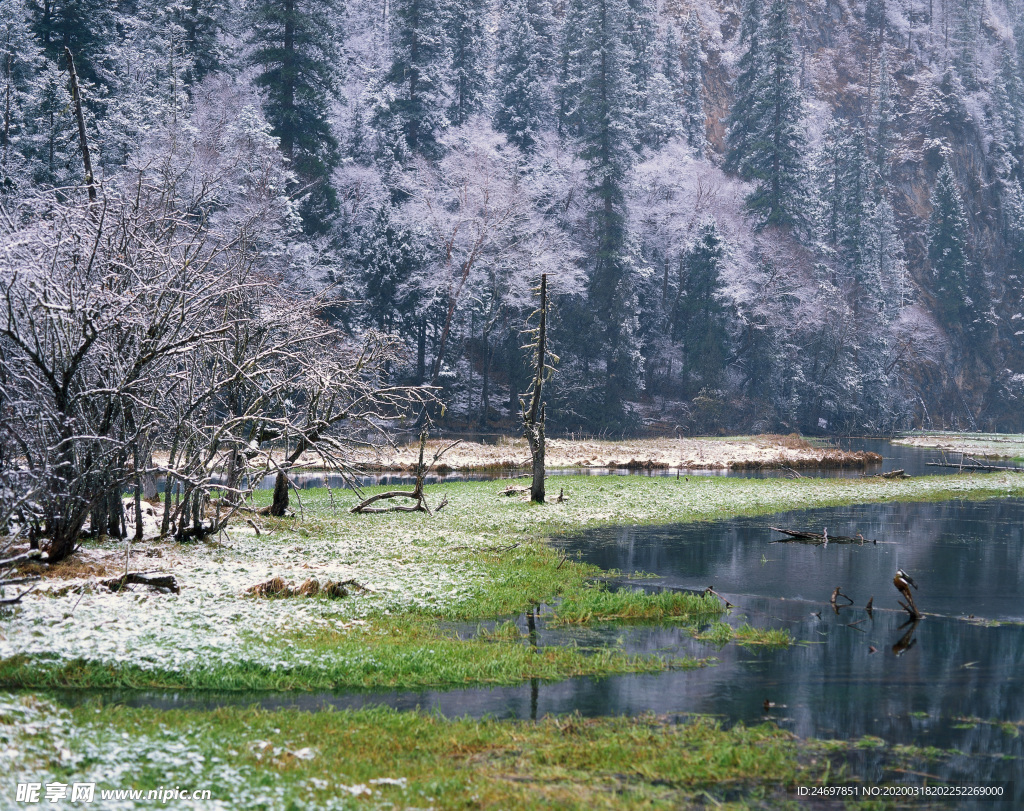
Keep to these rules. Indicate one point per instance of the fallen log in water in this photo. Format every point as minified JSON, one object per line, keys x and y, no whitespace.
{"x":818,"y":538}
{"x":975,"y":466}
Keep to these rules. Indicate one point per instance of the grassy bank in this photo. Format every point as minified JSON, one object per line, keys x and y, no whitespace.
{"x":482,"y":557}
{"x":382,"y":758}
{"x":251,"y":758}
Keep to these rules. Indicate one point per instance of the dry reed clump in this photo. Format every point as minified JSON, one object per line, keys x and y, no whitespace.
{"x":277,"y":587}
{"x":793,"y":442}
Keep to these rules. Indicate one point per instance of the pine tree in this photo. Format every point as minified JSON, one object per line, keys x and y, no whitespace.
{"x":884,"y":120}
{"x":640,"y":36}
{"x":547,"y":29}
{"x":662,"y":121}
{"x":742,"y":124}
{"x":388,"y":263}
{"x":83,"y":26}
{"x":699,"y":317}
{"x":775,"y":160}
{"x":146,"y":72}
{"x":416,"y":105}
{"x":570,"y":68}
{"x":470,"y":54}
{"x":1013,"y":215}
{"x":293,"y":48}
{"x":883,"y":253}
{"x":694,"y":121}
{"x":608,"y":139}
{"x":51,"y":143}
{"x":1007,"y":149}
{"x":520,"y":108}
{"x":948,"y":249}
{"x":828,"y":174}
{"x":21,"y":60}
{"x":204,"y":22}
{"x":875,"y":15}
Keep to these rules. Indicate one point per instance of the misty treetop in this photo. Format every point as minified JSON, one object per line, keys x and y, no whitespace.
{"x":753,"y":216}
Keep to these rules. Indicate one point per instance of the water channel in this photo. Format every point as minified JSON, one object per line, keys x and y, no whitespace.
{"x":953,"y":680}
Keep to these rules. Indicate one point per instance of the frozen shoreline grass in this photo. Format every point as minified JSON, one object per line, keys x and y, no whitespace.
{"x":483,"y":557}
{"x":374,"y":758}
{"x":384,"y":758}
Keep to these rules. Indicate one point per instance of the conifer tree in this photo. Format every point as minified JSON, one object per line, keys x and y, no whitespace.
{"x":1007,"y":149}
{"x":470,"y":54}
{"x":776,"y":154}
{"x":547,"y":29}
{"x":51,"y":134}
{"x":83,"y":26}
{"x":388,"y":263}
{"x":21,"y":60}
{"x":640,"y":36}
{"x":948,"y":249}
{"x":670,"y":66}
{"x":884,"y":120}
{"x":699,"y":317}
{"x":608,"y":140}
{"x":570,"y":68}
{"x":203,"y":22}
{"x":293,"y":48}
{"x":416,"y":103}
{"x":694,"y":122}
{"x":742,"y":124}
{"x":875,"y":15}
{"x":519,"y":111}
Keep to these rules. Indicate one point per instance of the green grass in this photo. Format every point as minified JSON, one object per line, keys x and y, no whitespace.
{"x":394,"y":654}
{"x":719,"y":633}
{"x":482,"y":558}
{"x":291,"y":759}
{"x":600,"y":605}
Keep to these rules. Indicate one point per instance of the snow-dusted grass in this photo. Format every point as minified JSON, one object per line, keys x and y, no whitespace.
{"x":978,"y":445}
{"x":381,"y":758}
{"x":480,"y":558}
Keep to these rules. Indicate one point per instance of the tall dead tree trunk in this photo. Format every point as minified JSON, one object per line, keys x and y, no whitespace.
{"x":76,"y":97}
{"x":533,"y":419}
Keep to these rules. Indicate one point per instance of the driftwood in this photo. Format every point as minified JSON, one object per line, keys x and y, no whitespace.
{"x":837,"y":595}
{"x":416,"y":494}
{"x":157,"y":581}
{"x":817,"y":538}
{"x":975,"y":465}
{"x":17,"y":597}
{"x":32,"y":554}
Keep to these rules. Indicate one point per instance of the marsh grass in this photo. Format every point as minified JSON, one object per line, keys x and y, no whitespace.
{"x":482,"y":558}
{"x":404,"y":654}
{"x":294,"y":759}
{"x":597,"y":604}
{"x":720,"y":633}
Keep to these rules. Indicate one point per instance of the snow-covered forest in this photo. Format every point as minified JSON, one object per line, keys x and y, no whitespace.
{"x":786,"y":216}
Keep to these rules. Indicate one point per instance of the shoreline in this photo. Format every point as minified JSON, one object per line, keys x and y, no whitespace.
{"x":981,"y":446}
{"x":735,"y":453}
